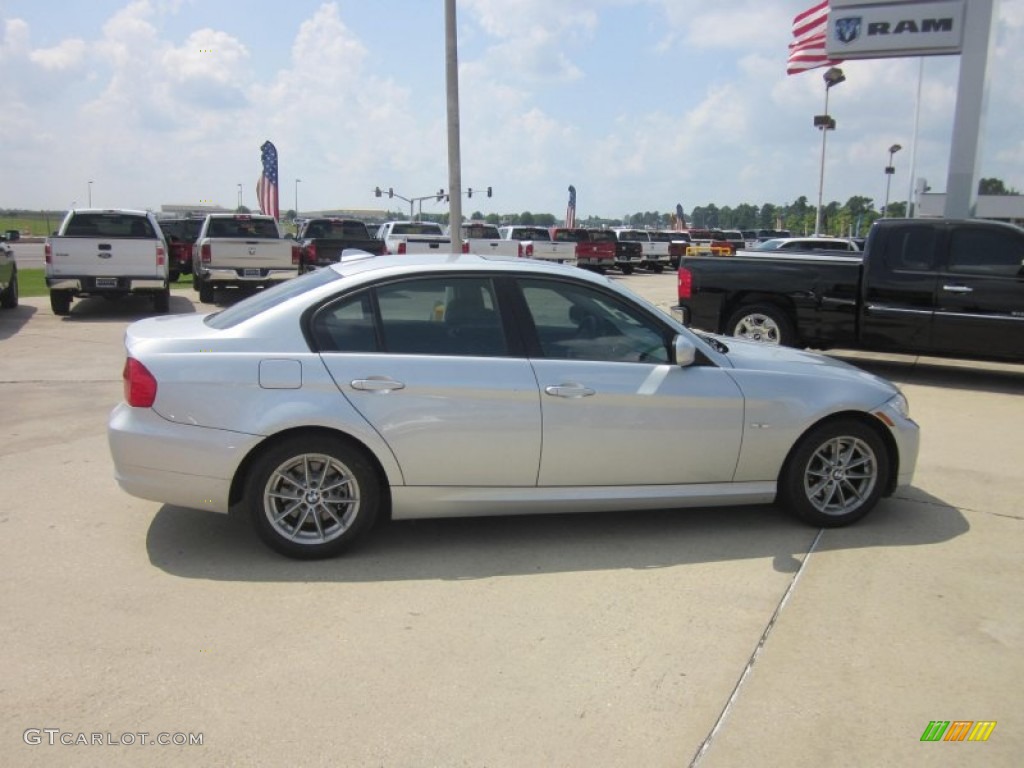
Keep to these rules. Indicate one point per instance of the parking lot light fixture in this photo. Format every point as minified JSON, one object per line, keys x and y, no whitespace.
{"x":832,"y":77}
{"x":890,"y":169}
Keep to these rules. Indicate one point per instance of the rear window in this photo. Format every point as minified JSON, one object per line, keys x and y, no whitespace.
{"x":268,"y":299}
{"x":529,"y":233}
{"x":570,"y":236}
{"x":416,"y":228}
{"x":181,"y":229}
{"x":602,"y":236}
{"x":633,"y":235}
{"x":244,"y":227}
{"x":337,"y":229}
{"x":111,"y":225}
{"x":480,"y":232}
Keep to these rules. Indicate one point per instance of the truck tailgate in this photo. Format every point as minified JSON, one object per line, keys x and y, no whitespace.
{"x":76,"y":256}
{"x":250,"y":254}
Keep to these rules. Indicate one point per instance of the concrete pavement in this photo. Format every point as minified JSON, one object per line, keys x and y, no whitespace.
{"x":731,"y":637}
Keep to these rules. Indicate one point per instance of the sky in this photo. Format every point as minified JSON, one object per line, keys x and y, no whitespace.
{"x":640,"y":104}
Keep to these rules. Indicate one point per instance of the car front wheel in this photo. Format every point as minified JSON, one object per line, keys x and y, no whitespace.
{"x":312,"y":497}
{"x":836,"y":474}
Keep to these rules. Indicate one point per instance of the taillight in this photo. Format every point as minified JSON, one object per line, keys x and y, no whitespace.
{"x":520,"y":251}
{"x":685,"y":283}
{"x":529,"y":250}
{"x":296,"y":251}
{"x":139,"y":384}
{"x":401,"y":248}
{"x":48,"y":252}
{"x":161,"y":256}
{"x":205,"y":254}
{"x":310,"y":253}
{"x":465,"y":247}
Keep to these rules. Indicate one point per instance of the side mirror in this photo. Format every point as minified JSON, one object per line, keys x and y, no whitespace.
{"x":685,"y":351}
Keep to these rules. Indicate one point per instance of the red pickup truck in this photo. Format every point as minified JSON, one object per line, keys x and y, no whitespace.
{"x":593,"y":251}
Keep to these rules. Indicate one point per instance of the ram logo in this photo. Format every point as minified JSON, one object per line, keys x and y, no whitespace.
{"x":848,"y":29}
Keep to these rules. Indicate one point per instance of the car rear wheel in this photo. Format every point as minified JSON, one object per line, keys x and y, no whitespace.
{"x":627,"y":269}
{"x":836,"y":474}
{"x":205,"y":290}
{"x":60,"y":302}
{"x":162,"y":301}
{"x":312,"y":497}
{"x":762,"y":323}
{"x":9,"y":297}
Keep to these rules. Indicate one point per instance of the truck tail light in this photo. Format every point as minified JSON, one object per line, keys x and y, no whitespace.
{"x":685,"y":283}
{"x":48,"y":253}
{"x":520,"y":254}
{"x":310,"y":253}
{"x":465,"y":247}
{"x":529,"y":250}
{"x":401,"y":249}
{"x":296,"y":252}
{"x":139,"y":384}
{"x":161,"y":256}
{"x":205,"y":254}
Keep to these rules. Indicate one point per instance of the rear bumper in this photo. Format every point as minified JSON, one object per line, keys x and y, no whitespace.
{"x":90,"y":284}
{"x":185,"y":465}
{"x":243,"y":276}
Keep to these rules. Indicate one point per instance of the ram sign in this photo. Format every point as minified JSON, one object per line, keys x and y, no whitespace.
{"x":895,"y":29}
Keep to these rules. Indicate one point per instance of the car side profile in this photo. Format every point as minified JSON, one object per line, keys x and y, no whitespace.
{"x":449,"y":386}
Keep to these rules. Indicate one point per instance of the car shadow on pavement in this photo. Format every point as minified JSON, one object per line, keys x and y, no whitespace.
{"x":201,"y":545}
{"x":97,"y":309}
{"x":13,"y":320}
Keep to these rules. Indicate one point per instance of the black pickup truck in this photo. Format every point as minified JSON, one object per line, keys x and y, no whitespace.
{"x":946,"y":288}
{"x":322,"y":241}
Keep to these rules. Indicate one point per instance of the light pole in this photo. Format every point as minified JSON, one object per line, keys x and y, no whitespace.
{"x":90,"y":193}
{"x":890,"y":169}
{"x":825,"y":123}
{"x":239,"y":195}
{"x":297,"y":197}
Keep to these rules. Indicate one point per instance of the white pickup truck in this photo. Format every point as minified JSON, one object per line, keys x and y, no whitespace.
{"x":402,"y":237}
{"x":106,"y":252}
{"x":482,"y":238}
{"x":654,"y":253}
{"x":536,"y":243}
{"x":236,"y":250}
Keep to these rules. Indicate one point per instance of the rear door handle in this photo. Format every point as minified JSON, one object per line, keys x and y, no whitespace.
{"x":377,"y":384}
{"x":569,"y":390}
{"x":957,"y":289}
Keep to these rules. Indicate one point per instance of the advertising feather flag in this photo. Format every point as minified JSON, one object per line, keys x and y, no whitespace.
{"x":266,"y":186}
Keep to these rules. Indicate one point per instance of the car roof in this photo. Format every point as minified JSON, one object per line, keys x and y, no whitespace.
{"x":412,"y":263}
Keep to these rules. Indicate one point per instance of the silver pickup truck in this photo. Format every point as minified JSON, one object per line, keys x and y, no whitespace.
{"x":236,"y":250}
{"x":106,"y":252}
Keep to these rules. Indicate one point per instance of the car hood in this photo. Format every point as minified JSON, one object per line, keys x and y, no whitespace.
{"x":755,"y":356}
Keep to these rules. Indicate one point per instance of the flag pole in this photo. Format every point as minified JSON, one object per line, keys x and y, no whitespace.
{"x":913,"y":143}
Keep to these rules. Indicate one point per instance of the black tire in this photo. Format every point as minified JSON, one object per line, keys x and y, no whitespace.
{"x":764,"y":323}
{"x":173,"y":275}
{"x":162,"y":301}
{"x":627,"y":269}
{"x":344,"y":513}
{"x":9,"y":297}
{"x":205,"y":291}
{"x":835,"y":474}
{"x":658,"y":268}
{"x":60,"y":302}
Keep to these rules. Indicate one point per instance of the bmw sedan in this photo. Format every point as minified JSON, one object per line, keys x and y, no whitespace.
{"x":446,"y":386}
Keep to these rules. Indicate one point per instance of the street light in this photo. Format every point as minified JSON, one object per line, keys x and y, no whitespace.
{"x":825,"y":123}
{"x":239,"y":195}
{"x":890,"y":169}
{"x":297,"y":197}
{"x":90,"y":193}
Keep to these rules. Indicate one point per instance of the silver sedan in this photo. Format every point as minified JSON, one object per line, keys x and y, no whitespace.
{"x":441,"y":386}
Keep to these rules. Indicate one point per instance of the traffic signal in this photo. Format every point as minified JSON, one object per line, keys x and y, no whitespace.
{"x":391,"y":192}
{"x":469,"y":192}
{"x":377,"y":192}
{"x":488,"y":191}
{"x":440,"y":195}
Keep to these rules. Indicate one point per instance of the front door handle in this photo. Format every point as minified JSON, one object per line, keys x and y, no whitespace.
{"x":957,"y":289}
{"x":377,"y":384}
{"x":569,"y":390}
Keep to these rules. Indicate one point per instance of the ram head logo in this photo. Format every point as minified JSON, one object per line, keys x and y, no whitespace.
{"x":848,"y":29}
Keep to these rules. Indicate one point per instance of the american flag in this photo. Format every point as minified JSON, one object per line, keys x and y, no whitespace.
{"x":570,"y":211}
{"x":680,"y":221}
{"x":266,"y":186}
{"x":807,"y":51}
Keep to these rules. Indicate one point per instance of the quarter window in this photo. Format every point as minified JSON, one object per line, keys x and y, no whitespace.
{"x":984,"y":252}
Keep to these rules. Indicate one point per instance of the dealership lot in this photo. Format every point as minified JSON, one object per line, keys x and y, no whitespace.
{"x":738,"y":636}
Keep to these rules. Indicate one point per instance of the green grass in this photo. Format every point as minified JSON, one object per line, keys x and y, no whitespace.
{"x":31,"y":223}
{"x":32,"y":282}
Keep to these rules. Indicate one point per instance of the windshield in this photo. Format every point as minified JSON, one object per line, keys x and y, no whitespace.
{"x":268,"y":299}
